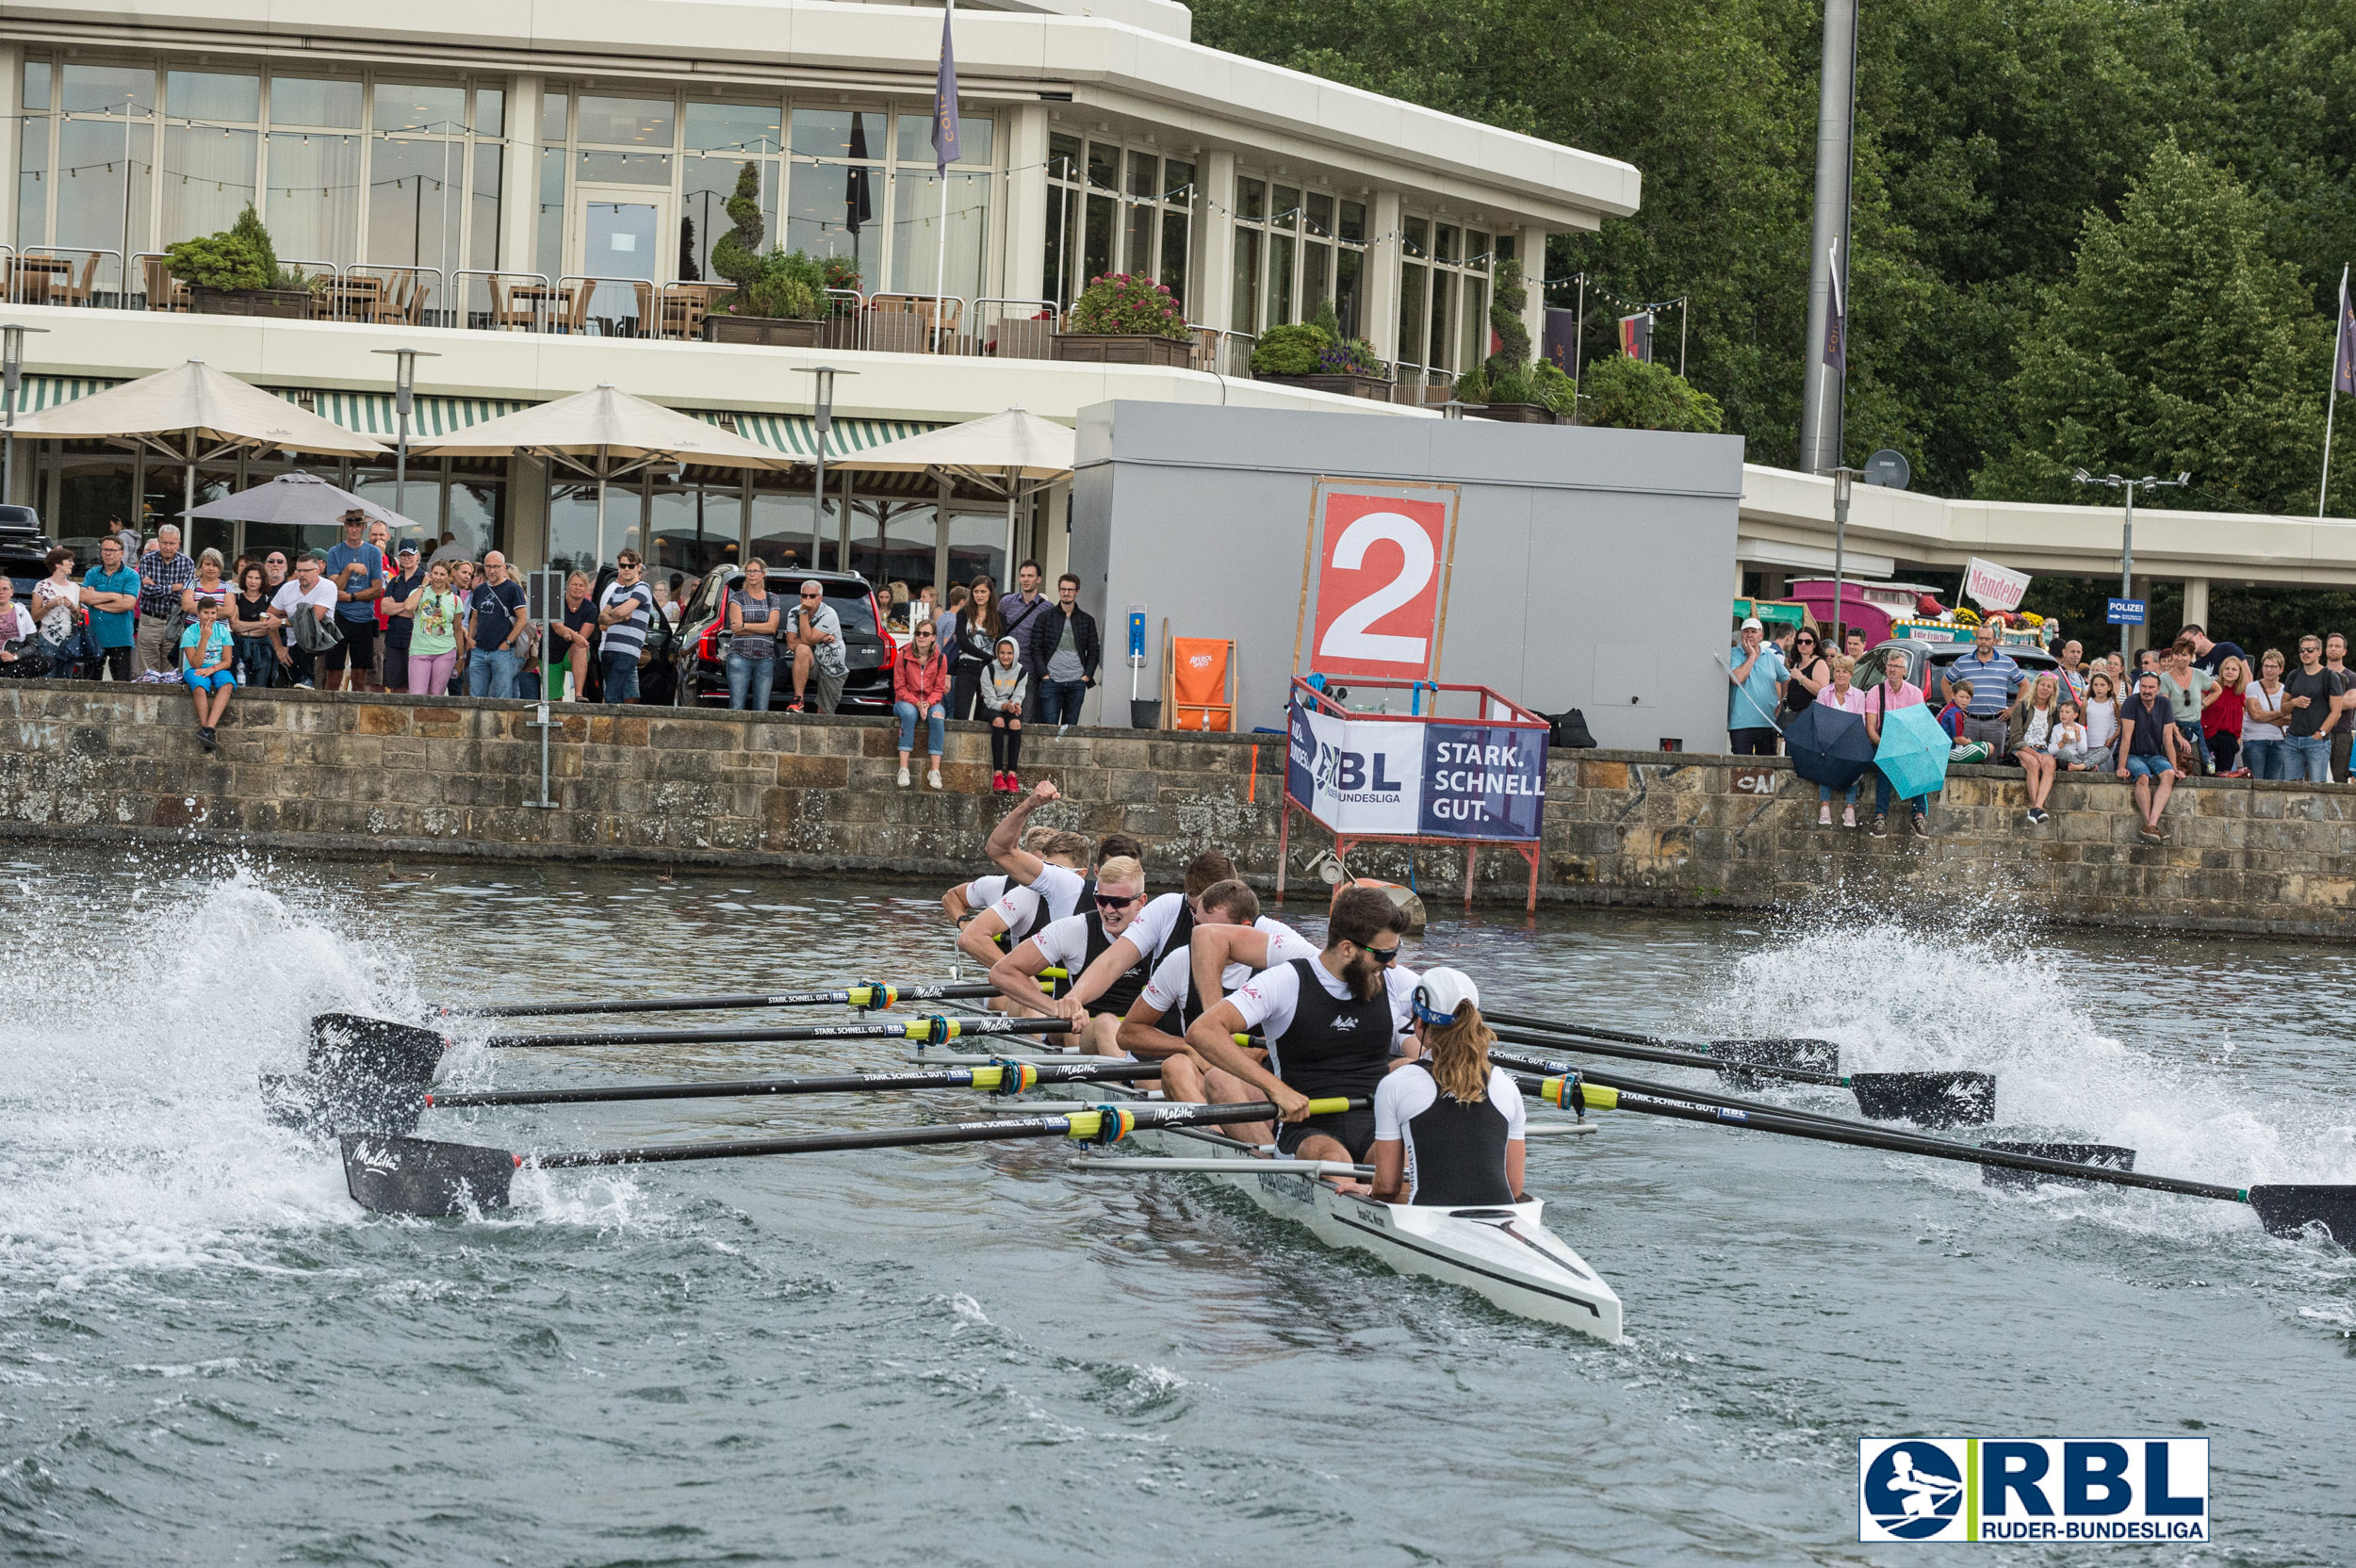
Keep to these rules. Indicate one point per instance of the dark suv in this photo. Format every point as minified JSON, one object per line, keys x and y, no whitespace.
{"x":703,"y":628}
{"x":21,"y":547}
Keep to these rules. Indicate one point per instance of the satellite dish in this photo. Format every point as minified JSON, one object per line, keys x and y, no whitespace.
{"x":1888,"y":467}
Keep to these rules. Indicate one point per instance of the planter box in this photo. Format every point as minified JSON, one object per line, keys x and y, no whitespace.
{"x":1512,"y":413}
{"x":775,"y":332}
{"x":1375,"y":387}
{"x":289,"y":305}
{"x":1125,"y":348}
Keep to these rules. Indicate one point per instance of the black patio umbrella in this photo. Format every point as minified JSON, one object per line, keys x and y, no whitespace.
{"x":1828,"y":746}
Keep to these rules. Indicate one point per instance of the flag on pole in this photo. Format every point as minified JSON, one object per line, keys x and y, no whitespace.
{"x":945,"y":98}
{"x":1636,"y":336}
{"x":2343,"y":355}
{"x":1837,"y":324}
{"x":858,"y":207}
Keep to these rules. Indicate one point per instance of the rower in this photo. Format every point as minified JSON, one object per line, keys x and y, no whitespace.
{"x":1332,"y":1023}
{"x":1155,"y":1028}
{"x":1001,"y":912}
{"x":1448,"y":1127}
{"x":968,"y":899}
{"x":1075,"y":941}
{"x":1046,"y":893}
{"x":1166,"y":924}
{"x":1224,"y":956}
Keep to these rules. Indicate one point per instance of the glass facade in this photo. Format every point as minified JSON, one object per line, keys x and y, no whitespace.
{"x":1113,"y":207}
{"x":1296,"y":248}
{"x":1443,"y":294}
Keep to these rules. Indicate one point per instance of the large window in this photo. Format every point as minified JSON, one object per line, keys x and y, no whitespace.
{"x":1296,"y":248}
{"x":1112,"y":207}
{"x":1443,"y":294}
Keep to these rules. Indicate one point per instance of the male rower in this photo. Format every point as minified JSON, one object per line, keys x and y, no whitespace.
{"x":1332,"y":1024}
{"x":1155,"y":1028}
{"x":967,"y":901}
{"x":1042,"y":892}
{"x":1072,"y":942}
{"x":1166,"y":924}
{"x":1448,"y":1126}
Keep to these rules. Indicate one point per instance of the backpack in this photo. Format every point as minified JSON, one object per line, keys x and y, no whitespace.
{"x":1568,"y":729}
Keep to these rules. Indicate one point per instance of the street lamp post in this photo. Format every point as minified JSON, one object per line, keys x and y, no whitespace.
{"x":11,"y":380}
{"x":2127,"y":534}
{"x":404,"y":402}
{"x":821,"y":419}
{"x":1841,"y":479}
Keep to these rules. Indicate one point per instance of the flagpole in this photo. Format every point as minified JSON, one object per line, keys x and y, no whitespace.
{"x":2332,"y":405}
{"x":946,"y":85}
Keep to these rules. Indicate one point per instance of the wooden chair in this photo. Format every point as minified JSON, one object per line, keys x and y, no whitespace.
{"x":78,"y":290}
{"x":575,"y":303}
{"x":686,"y":304}
{"x":37,"y":279}
{"x":410,"y":311}
{"x":164,"y":291}
{"x":647,"y":319}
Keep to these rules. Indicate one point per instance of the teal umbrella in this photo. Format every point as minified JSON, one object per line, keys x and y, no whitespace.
{"x":1913,"y":752}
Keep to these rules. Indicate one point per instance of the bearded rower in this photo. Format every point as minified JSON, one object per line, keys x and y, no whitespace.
{"x":1447,"y":1125}
{"x":1072,"y":943}
{"x":1332,"y":1024}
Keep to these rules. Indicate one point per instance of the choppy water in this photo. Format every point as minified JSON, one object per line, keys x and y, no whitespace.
{"x":208,"y":1355}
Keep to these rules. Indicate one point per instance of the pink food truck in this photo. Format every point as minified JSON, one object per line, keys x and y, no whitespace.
{"x":1871,"y":607}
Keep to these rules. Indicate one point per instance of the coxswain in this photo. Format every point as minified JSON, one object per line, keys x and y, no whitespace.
{"x":1116,"y":896}
{"x":1333,"y":1025}
{"x":1164,"y":926}
{"x":1447,"y":1125}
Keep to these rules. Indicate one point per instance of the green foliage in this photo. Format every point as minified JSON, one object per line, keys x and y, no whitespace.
{"x":786,"y":283}
{"x":841,"y":272}
{"x":2177,"y":344}
{"x":1293,"y":350}
{"x":1328,"y":321}
{"x":239,"y":257}
{"x":1127,"y":303}
{"x":1472,"y":387}
{"x":1507,"y":300}
{"x":1631,"y":394}
{"x":1554,"y":388}
{"x":1513,"y":386}
{"x":736,"y":254}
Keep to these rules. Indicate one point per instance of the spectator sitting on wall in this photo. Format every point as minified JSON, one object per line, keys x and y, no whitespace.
{"x":626,"y":610}
{"x":2209,"y":654}
{"x":2187,"y":687}
{"x":110,"y":592}
{"x":164,"y":571}
{"x":2312,"y":701}
{"x":496,"y":628}
{"x":2030,"y":738}
{"x":2263,"y":754}
{"x":2150,"y":752}
{"x":920,"y":689}
{"x":1995,"y":681}
{"x":1894,"y":691}
{"x":1756,"y":671}
{"x":2100,"y":716}
{"x":821,"y":664}
{"x":208,"y":654}
{"x":1951,"y":720}
{"x":2222,"y":715}
{"x":1065,"y":649}
{"x":58,"y":613}
{"x":306,"y":608}
{"x":2072,"y":754}
{"x":1839,"y":693}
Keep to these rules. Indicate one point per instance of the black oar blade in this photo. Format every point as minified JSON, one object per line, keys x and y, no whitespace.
{"x":2288,"y":1211}
{"x":341,"y":1102}
{"x":1814,"y":1055}
{"x":1927,"y":1099}
{"x":2110,"y":1154}
{"x":378,"y":1047}
{"x":417,"y":1176}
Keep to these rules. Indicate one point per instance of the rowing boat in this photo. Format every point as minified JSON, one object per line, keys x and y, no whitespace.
{"x":1502,"y":1251}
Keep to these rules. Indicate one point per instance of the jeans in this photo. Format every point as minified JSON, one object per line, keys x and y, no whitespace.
{"x":1752,"y":740}
{"x":936,"y":722}
{"x":1824,"y":793}
{"x":621,"y":676}
{"x":491,"y":673}
{"x":745,"y":673}
{"x":2266,"y":759}
{"x":1059,"y":701}
{"x":1884,"y":794}
{"x":2196,"y":742}
{"x":256,"y":662}
{"x":2310,"y":759}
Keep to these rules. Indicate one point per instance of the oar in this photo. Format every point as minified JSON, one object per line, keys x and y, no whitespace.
{"x":2285,"y":1210}
{"x":1819,"y":1056}
{"x":868,"y":996}
{"x":414,"y":1176}
{"x":1517,"y":1063}
{"x":1954,"y":1099}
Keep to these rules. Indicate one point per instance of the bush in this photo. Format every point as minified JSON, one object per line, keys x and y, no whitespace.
{"x":1630,"y":394}
{"x":1472,"y":388}
{"x":1554,"y":389}
{"x":239,"y":257}
{"x":786,"y":283}
{"x":1128,"y":302}
{"x":839,"y":272}
{"x":1293,"y":350}
{"x":1513,"y":386}
{"x":736,"y":254}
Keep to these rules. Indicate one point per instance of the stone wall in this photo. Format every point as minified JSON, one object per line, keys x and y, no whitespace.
{"x":382,"y":776}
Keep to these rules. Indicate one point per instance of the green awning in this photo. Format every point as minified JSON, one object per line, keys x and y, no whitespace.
{"x":371,"y":413}
{"x":797,"y":433}
{"x":38,"y":392}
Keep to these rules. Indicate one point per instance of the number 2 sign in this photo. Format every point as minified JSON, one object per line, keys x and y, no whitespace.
{"x":1378,"y":567}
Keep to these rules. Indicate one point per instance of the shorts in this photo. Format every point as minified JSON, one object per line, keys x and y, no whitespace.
{"x":2148,"y":767}
{"x":358,"y":647}
{"x":1353,"y":1130}
{"x":212,"y":682}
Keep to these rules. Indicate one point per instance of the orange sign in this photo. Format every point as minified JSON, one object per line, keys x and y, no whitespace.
{"x":1378,"y":586}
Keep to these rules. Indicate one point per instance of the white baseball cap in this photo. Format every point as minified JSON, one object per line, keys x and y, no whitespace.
{"x":1441,"y":992}
{"x":1752,"y":623}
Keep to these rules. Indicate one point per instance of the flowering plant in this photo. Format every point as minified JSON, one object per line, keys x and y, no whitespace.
{"x":1128,"y":302}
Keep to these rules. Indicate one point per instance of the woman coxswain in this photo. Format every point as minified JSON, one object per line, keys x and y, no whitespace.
{"x":1448,"y":1126}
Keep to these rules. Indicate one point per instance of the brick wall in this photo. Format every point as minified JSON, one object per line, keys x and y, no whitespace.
{"x":389,"y":775}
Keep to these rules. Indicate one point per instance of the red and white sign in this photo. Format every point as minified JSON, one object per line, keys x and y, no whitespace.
{"x":1995,"y":587}
{"x":1378,"y":586}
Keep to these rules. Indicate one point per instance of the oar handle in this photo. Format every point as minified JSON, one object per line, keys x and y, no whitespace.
{"x":934,"y":1029}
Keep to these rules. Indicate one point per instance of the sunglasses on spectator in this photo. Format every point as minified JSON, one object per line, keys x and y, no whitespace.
{"x":811,"y":596}
{"x":1114,"y":901}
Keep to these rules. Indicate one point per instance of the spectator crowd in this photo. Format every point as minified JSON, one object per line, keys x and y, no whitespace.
{"x":2196,"y":706}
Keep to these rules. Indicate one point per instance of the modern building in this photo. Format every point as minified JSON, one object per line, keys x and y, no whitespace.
{"x":538,"y":210}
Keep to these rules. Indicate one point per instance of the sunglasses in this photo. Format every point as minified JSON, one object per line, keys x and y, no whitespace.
{"x":1109,"y":901}
{"x":1383,"y":954}
{"x":812,"y":596}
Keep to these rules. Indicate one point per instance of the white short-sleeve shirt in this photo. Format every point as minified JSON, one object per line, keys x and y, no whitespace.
{"x":1064,"y":942}
{"x":1268,"y":999}
{"x":1058,"y":885}
{"x":1173,"y":977}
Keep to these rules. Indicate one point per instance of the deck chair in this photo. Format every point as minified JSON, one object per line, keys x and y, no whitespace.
{"x":1202,"y":675}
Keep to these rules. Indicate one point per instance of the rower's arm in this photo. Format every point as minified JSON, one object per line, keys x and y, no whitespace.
{"x":1141,"y":1035}
{"x":1216,"y":946}
{"x":1005,"y":844}
{"x":1390,"y":1168}
{"x":977,"y":939}
{"x":954,"y":902}
{"x":1016,"y":976}
{"x":1515,"y":1150}
{"x":1213,"y":1038}
{"x":1110,"y":965}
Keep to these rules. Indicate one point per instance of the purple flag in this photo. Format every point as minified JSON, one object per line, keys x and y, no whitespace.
{"x":945,"y":98}
{"x":1837,"y":325}
{"x":2344,"y":356}
{"x":1561,"y":338}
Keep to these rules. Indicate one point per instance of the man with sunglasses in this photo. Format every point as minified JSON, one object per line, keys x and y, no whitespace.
{"x":1332,"y":1024}
{"x":1166,"y":925}
{"x":1072,"y":943}
{"x":815,"y":633}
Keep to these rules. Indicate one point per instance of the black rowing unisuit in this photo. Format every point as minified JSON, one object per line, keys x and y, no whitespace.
{"x":1116,"y":997}
{"x":1333,"y":1046}
{"x":1458,"y":1149}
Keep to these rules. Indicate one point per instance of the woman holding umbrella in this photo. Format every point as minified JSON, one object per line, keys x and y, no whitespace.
{"x":1839,"y":693}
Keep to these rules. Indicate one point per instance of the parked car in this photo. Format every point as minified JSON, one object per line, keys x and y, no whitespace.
{"x":1934,"y":657}
{"x":21,"y":547}
{"x":703,"y":641}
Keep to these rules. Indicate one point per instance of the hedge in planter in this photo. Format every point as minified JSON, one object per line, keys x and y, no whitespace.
{"x":1126,"y":318}
{"x":236,"y":271}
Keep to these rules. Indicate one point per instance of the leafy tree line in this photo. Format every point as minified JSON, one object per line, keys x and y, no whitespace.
{"x":2086,"y":233}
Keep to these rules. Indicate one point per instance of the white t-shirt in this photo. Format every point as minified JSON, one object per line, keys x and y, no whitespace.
{"x":1065,"y":942}
{"x":1408,"y":1093}
{"x":321,"y":597}
{"x":1173,"y":978}
{"x":1266,"y":1000}
{"x":58,"y":624}
{"x":1152,"y":927}
{"x":1058,"y":885}
{"x":983,"y":891}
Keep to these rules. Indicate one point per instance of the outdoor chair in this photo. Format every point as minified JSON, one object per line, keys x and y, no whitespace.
{"x":164,"y":291}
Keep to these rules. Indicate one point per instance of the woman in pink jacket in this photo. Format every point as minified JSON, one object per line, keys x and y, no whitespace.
{"x":919,"y":689}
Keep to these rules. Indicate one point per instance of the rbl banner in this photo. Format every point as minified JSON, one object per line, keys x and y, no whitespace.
{"x":1436,"y":780}
{"x":1378,"y":586}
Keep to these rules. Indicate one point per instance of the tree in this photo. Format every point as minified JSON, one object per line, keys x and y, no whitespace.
{"x":2178,"y":343}
{"x":1632,"y":393}
{"x":736,"y":254}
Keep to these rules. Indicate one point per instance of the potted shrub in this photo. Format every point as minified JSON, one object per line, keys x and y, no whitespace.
{"x":1315,"y":354}
{"x":778,"y":296}
{"x":1508,"y":387}
{"x":235,"y":273}
{"x":1125,"y":318}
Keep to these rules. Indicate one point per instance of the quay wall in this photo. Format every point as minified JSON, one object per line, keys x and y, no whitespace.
{"x":384,"y":778}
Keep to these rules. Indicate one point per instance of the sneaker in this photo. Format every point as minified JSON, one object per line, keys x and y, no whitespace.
{"x":932,"y":776}
{"x":205,"y":738}
{"x":1881,"y":825}
{"x":998,"y":781}
{"x":794,"y":707}
{"x":2042,"y":816}
{"x":1014,"y":785}
{"x":2152,"y":835}
{"x":1922,"y":823}
{"x":1848,"y":816}
{"x":1824,"y":815}
{"x":304,"y":686}
{"x":904,"y":778}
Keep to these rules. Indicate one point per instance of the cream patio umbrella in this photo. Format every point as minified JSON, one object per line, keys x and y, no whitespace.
{"x":605,"y":433}
{"x":1016,"y":453}
{"x":193,"y":413}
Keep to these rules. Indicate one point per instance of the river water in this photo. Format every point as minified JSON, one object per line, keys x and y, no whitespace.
{"x":209,"y":1355}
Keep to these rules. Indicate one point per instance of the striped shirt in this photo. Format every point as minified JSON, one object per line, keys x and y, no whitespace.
{"x":1994,"y":681}
{"x":626,"y":636}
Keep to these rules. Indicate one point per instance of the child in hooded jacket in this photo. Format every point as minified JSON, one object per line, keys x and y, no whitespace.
{"x":1004,"y":685}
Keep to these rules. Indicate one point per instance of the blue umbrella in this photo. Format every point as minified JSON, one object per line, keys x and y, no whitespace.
{"x":1828,"y":745}
{"x":1913,"y":752}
